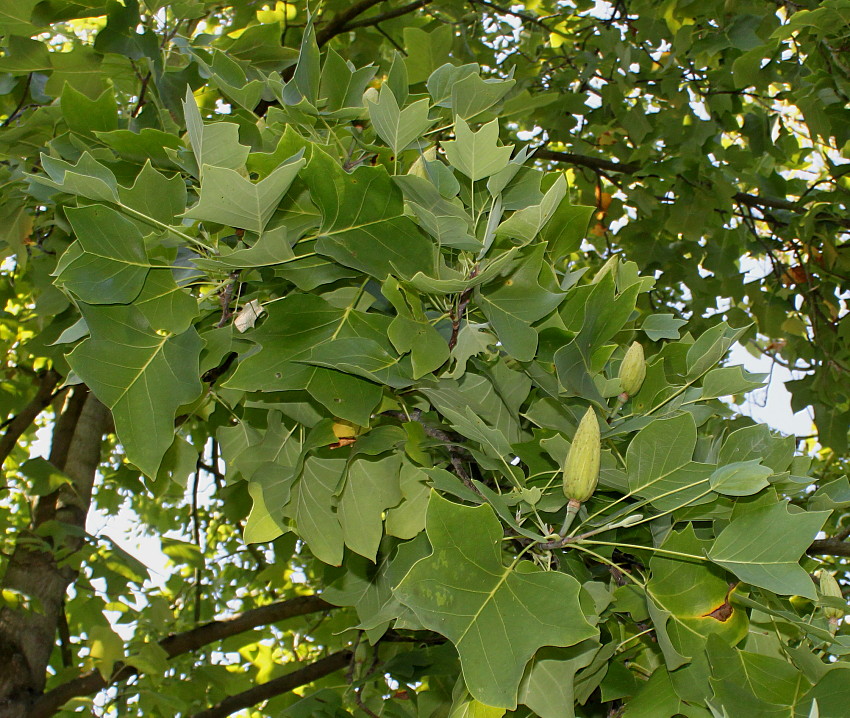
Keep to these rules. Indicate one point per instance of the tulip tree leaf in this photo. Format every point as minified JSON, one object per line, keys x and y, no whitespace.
{"x":763,"y":547}
{"x":741,"y":478}
{"x":514,"y":303}
{"x":660,"y":467}
{"x":398,"y":128}
{"x":108,"y":265}
{"x":372,"y":236}
{"x":216,"y":144}
{"x":525,"y":224}
{"x":142,"y":376}
{"x":477,"y":154}
{"x":662,"y":326}
{"x":497,"y":616}
{"x":228,"y":198}
{"x":371,"y":487}
{"x":313,"y":507}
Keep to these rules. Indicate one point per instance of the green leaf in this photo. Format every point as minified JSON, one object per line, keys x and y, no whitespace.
{"x":341,"y":84}
{"x":373,"y":237}
{"x":142,"y":376}
{"x":217,"y":144}
{"x":369,"y":587}
{"x":398,"y":128}
{"x":514,"y":303}
{"x":472,"y":95}
{"x":658,"y":699}
{"x":304,"y":84}
{"x":263,"y":523}
{"x":662,"y":326}
{"x":750,"y":684}
{"x":689,"y":600}
{"x":407,"y":519}
{"x":660,"y":466}
{"x":426,"y":51}
{"x":271,"y":248}
{"x":566,"y":228}
{"x":88,"y":178}
{"x":763,"y":547}
{"x":364,"y":357}
{"x":496,"y":616}
{"x":108,"y":265}
{"x":313,"y":507}
{"x":164,"y":304}
{"x":87,"y":116}
{"x":105,"y":649}
{"x":182,"y":552}
{"x":729,"y":380}
{"x":741,"y":478}
{"x":154,"y":195}
{"x":446,"y":221}
{"x":148,"y":144}
{"x":471,"y":708}
{"x":371,"y":487}
{"x":477,"y":154}
{"x":710,"y":348}
{"x":525,"y":224}
{"x":443,"y":78}
{"x":547,"y":687}
{"x":228,"y":198}
{"x":831,"y":693}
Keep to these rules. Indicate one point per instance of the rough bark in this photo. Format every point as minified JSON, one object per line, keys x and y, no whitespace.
{"x":42,"y":565}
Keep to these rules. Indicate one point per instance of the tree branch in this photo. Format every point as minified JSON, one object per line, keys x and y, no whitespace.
{"x":525,"y":17}
{"x":179,"y":644}
{"x":337,"y":24}
{"x":388,"y":15}
{"x":22,"y":421}
{"x":598,"y":164}
{"x":284,"y":684}
{"x":829,"y":547}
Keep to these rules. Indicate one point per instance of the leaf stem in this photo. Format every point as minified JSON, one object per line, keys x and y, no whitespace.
{"x":161,"y":225}
{"x":617,"y":544}
{"x":644,"y":502}
{"x":610,"y":563}
{"x":632,"y":638}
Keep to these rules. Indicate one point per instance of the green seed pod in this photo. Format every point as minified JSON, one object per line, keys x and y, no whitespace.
{"x":581,"y":468}
{"x":632,"y":370}
{"x":829,"y":587}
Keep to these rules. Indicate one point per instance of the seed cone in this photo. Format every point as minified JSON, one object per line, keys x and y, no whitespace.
{"x":581,"y":468}
{"x":632,"y":370}
{"x":829,"y":587}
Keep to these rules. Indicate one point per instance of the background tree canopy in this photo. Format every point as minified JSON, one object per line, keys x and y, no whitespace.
{"x":318,"y":296}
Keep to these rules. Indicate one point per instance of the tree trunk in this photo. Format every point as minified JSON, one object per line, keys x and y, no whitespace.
{"x":27,"y":636}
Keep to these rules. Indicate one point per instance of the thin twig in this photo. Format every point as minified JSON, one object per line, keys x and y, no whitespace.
{"x":64,"y":638}
{"x":18,"y":424}
{"x":138,"y":108}
{"x":457,"y":315}
{"x":226,"y":299}
{"x":196,"y":535}
{"x":455,"y":449}
{"x":20,"y":106}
